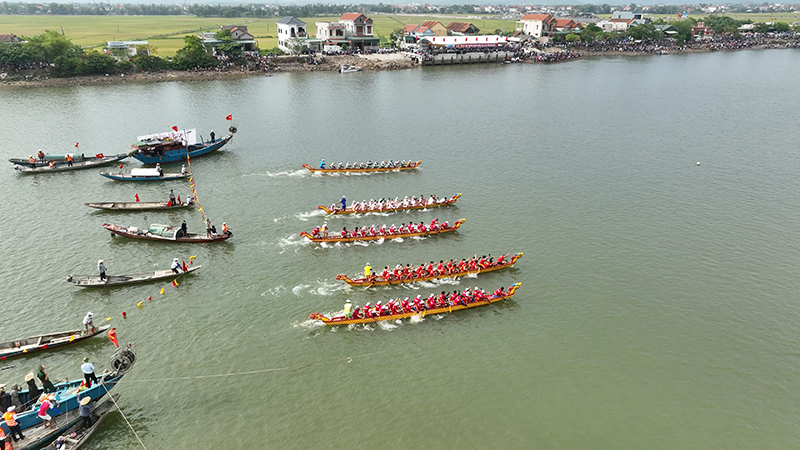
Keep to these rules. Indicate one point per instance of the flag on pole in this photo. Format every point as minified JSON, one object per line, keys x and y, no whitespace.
{"x":120,"y":165}
{"x":184,"y":266}
{"x":175,"y":283}
{"x":162,"y":291}
{"x":112,"y":335}
{"x":230,"y":117}
{"x":175,"y":128}
{"x":76,"y":145}
{"x":136,"y":196}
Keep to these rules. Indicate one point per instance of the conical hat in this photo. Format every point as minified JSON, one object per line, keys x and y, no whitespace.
{"x":29,"y":377}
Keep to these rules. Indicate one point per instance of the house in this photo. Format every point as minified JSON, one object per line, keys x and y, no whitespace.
{"x":125,"y":48}
{"x":238,"y":33}
{"x":292,"y":36}
{"x":436,"y":27}
{"x":566,"y":25}
{"x":417,"y":31}
{"x":701,"y":30}
{"x":619,"y":24}
{"x":353,"y":30}
{"x":668,"y":30}
{"x":638,"y":18}
{"x":537,"y":25}
{"x":9,"y":39}
{"x":462,"y":29}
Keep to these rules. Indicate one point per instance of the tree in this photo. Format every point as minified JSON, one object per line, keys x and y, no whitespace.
{"x":193,"y":54}
{"x":94,"y":63}
{"x":781,"y":27}
{"x":590,"y":32}
{"x":499,"y":32}
{"x":761,"y":27}
{"x":572,"y":38}
{"x":50,"y":45}
{"x":396,"y":37}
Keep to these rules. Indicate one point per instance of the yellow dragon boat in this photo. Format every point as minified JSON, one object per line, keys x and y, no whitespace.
{"x":408,"y":166}
{"x":350,"y":210}
{"x":343,"y":320}
{"x":377,"y":280}
{"x":350,"y":238}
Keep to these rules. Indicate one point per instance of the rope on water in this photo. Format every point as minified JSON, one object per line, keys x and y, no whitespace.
{"x":126,"y":419}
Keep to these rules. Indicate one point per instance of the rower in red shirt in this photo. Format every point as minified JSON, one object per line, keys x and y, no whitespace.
{"x":344,"y":232}
{"x":385,"y":273}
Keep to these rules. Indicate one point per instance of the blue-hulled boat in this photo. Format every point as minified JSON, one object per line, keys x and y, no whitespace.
{"x":69,"y":393}
{"x":174,"y":146}
{"x":142,"y":174}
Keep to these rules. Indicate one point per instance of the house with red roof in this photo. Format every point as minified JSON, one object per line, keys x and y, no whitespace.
{"x":537,"y":25}
{"x":353,"y":30}
{"x":436,"y":27}
{"x":462,"y":29}
{"x":566,"y":25}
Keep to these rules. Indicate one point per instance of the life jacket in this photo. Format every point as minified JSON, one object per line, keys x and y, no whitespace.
{"x":10,"y":420}
{"x":32,"y":160}
{"x":69,"y":157}
{"x":41,"y":154}
{"x":347,"y":309}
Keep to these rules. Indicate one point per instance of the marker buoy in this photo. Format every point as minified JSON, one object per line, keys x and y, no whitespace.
{"x":698,"y":163}
{"x":124,"y":315}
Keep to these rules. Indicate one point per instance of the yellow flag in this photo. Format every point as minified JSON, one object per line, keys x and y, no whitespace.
{"x":139,"y":305}
{"x":25,"y":351}
{"x":193,"y":257}
{"x":162,"y":291}
{"x":108,"y":318}
{"x":72,"y":338}
{"x":200,"y":208}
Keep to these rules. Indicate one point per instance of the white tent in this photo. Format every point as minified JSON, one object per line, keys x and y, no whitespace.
{"x":466,"y":41}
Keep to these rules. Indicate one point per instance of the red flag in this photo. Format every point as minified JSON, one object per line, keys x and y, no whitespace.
{"x":150,"y":298}
{"x":136,"y":196}
{"x":179,"y":199}
{"x":175,"y":283}
{"x":76,"y":145}
{"x":99,"y":155}
{"x":120,"y":165}
{"x":112,"y":334}
{"x":230,"y":117}
{"x":175,"y":128}
{"x":184,"y":267}
{"x":3,"y":358}
{"x":44,"y":347}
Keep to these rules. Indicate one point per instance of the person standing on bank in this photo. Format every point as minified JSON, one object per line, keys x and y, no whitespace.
{"x":102,"y":269}
{"x":88,"y":372}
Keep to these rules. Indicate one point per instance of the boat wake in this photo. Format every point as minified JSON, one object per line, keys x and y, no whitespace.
{"x":283,"y":174}
{"x":319,"y":287}
{"x":292,"y":243}
{"x":304,"y":216}
{"x":350,"y":244}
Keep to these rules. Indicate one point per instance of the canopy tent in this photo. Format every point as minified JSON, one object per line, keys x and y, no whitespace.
{"x":465,"y":41}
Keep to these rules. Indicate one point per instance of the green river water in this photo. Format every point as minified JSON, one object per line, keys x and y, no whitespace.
{"x":659,"y":298}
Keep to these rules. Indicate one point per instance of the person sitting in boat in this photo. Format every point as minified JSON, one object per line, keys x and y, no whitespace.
{"x":184,"y":170}
{"x":176,"y":266}
{"x":51,"y":165}
{"x":159,"y":170}
{"x":315,"y":232}
{"x":499,"y":292}
{"x":41,"y":156}
{"x":322,"y":164}
{"x":225,"y":229}
{"x":32,"y":161}
{"x":344,"y":232}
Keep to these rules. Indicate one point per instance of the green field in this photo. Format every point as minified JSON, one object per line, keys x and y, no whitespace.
{"x":165,"y":33}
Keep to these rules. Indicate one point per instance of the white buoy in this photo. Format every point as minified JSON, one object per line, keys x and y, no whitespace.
{"x":698,"y":163}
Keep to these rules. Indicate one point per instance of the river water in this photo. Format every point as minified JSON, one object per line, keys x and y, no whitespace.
{"x":658,"y":306}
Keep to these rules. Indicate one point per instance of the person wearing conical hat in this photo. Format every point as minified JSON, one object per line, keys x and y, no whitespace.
{"x":85,"y":411}
{"x":5,"y":399}
{"x":33,"y":389}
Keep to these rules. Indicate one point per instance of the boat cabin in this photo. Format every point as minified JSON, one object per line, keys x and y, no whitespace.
{"x":162,"y":143}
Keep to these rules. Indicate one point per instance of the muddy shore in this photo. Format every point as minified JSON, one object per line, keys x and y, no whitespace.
{"x":331,"y":64}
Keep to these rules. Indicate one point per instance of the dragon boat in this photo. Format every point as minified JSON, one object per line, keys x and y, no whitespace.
{"x":408,"y":166}
{"x":350,"y":238}
{"x":351,"y":210}
{"x":377,"y":280}
{"x":343,"y":320}
{"x":164,"y":233}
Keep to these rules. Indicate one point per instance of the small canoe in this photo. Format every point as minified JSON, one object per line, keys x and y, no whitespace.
{"x":343,"y":320}
{"x":349,"y":238}
{"x":142,"y":174}
{"x":377,"y":280}
{"x":76,"y":165}
{"x":124,"y":280}
{"x":61,"y":158}
{"x":65,"y":425}
{"x":45,"y":342}
{"x":138,"y":206}
{"x":408,"y":166}
{"x":164,"y":233}
{"x":350,"y":210}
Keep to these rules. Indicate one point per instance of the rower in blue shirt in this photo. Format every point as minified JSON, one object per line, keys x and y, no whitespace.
{"x":322,"y":164}
{"x":344,"y":203}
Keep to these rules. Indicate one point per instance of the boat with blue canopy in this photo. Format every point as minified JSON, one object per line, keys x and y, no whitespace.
{"x":173,"y":146}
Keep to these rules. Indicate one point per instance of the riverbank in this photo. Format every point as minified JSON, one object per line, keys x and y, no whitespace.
{"x":390,"y":61}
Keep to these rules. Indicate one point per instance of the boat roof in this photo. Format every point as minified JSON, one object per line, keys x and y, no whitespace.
{"x":144,"y":172}
{"x":188,"y":137}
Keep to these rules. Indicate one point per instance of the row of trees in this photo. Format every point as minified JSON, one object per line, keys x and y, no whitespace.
{"x":58,"y":56}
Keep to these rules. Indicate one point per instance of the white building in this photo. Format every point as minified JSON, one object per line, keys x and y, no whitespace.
{"x":291,"y":32}
{"x":536,"y":25}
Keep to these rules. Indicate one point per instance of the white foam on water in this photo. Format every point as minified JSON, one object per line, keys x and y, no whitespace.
{"x":398,"y":239}
{"x":293,"y":242}
{"x":299,"y":288}
{"x":416,"y":318}
{"x":274,"y":291}
{"x":419,"y":238}
{"x":361,"y":243}
{"x":368,"y":328}
{"x":386,"y":325}
{"x":281,"y":174}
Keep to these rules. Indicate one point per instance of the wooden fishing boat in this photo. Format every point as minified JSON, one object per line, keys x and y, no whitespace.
{"x":62,"y":158}
{"x":350,"y":210}
{"x":76,"y":165}
{"x":76,"y":435}
{"x":409,"y":166}
{"x":69,"y":393}
{"x":346,"y":68}
{"x":124,"y":280}
{"x":376,"y":280}
{"x":343,"y":320}
{"x":141,"y":174}
{"x":173,"y":146}
{"x":67,"y":426}
{"x":48,"y":341}
{"x":139,"y":206}
{"x":338,"y":238}
{"x":164,"y":233}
